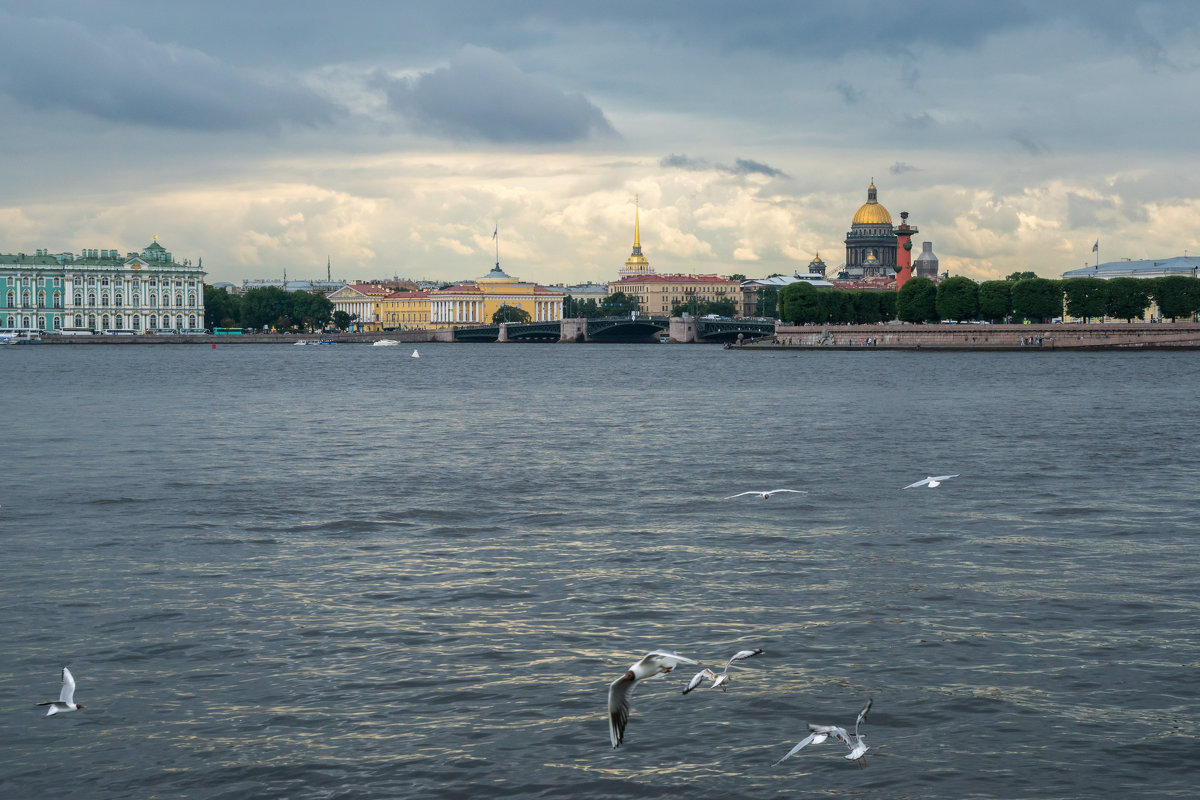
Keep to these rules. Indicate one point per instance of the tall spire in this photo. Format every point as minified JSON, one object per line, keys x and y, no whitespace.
{"x":637,"y":222}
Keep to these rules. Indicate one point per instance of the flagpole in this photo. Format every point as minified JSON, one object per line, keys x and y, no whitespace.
{"x":496,"y":239}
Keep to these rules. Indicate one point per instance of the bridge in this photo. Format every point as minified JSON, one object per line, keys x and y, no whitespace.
{"x":619,"y":329}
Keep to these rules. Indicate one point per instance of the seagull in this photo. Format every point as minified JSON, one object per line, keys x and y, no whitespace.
{"x":654,"y":663}
{"x":66,"y":697}
{"x":931,"y":482}
{"x":819,"y":733}
{"x":721,"y":680}
{"x":765,"y":495}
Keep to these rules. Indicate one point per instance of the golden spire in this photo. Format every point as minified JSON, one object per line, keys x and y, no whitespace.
{"x":637,"y":225}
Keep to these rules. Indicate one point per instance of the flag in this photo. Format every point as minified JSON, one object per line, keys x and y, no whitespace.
{"x":1096,"y":247}
{"x":495,"y":231}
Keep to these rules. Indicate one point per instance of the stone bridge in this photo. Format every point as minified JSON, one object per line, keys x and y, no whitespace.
{"x":619,"y":329}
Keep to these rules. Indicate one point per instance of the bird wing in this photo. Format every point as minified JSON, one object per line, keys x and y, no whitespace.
{"x":836,"y":731}
{"x":741,"y":494}
{"x":863,"y":714}
{"x":664,"y":658}
{"x":743,"y":654}
{"x":67,"y":695}
{"x":943,"y":477}
{"x":699,"y":678}
{"x":918,"y":483}
{"x":618,"y":708}
{"x":858,"y":749}
{"x":807,"y":740}
{"x":793,"y":491}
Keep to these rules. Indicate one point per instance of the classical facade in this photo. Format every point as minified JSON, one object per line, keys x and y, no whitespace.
{"x":406,"y":311}
{"x":871,"y":242}
{"x":657,"y":294}
{"x":360,"y":300}
{"x":477,"y":301}
{"x":100,"y":290}
{"x":1187,"y":266}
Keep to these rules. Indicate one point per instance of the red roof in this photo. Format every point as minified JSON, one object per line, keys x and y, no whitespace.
{"x":656,"y":278}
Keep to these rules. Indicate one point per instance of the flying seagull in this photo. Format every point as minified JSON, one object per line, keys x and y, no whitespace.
{"x":931,"y":482}
{"x":721,"y":680}
{"x":765,"y":495}
{"x":819,"y":733}
{"x":656,"y":662}
{"x":66,"y":697}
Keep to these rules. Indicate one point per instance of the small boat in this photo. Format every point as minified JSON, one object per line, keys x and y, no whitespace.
{"x":385,"y":343}
{"x":415,"y":354}
{"x":21,"y":337}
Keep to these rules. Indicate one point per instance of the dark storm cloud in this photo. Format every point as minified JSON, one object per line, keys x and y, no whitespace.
{"x":124,"y":76}
{"x":481,"y":94}
{"x":741,"y":166}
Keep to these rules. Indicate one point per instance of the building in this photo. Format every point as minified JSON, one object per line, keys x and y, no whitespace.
{"x":1188,"y":266}
{"x":476,"y":302}
{"x":927,"y":263}
{"x":637,"y":264}
{"x":657,"y":294}
{"x":361,"y":302}
{"x":404,"y":311}
{"x":323,"y":287}
{"x":871,"y":242}
{"x":580,"y":293}
{"x":100,"y":290}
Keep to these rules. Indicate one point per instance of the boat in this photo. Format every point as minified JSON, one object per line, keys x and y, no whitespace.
{"x":21,"y":337}
{"x":416,"y":354}
{"x":385,"y":343}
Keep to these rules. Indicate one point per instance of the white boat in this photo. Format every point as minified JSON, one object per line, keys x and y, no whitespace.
{"x":385,"y":343}
{"x":21,"y":337}
{"x":416,"y":354}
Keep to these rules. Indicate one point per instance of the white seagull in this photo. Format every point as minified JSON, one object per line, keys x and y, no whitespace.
{"x":931,"y":482}
{"x":765,"y":495}
{"x":66,"y":697}
{"x":656,"y":662}
{"x":721,"y":680}
{"x":858,"y":745}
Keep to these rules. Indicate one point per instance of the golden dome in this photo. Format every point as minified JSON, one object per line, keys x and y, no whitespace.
{"x":870,"y":212}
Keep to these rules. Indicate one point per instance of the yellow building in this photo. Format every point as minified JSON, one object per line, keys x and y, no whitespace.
{"x":657,"y":294}
{"x":476,"y":302}
{"x":406,"y":311}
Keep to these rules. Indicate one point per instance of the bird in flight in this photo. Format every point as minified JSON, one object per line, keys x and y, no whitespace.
{"x":819,"y":733}
{"x":66,"y":697}
{"x":721,"y":680}
{"x":765,"y":495}
{"x":931,"y":482}
{"x":654,"y":663}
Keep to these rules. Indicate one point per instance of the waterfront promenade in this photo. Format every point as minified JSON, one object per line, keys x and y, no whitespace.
{"x":968,"y":336}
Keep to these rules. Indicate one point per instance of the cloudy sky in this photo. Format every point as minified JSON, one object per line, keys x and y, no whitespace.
{"x":392,"y":138}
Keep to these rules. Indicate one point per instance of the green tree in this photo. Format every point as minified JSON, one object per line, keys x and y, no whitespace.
{"x":766,"y":302}
{"x":221,"y":309}
{"x":737,"y":276}
{"x":1176,"y":296}
{"x":798,"y":303}
{"x":866,"y":306}
{"x":1021,"y":276}
{"x":995,"y":300}
{"x":1037,"y":299}
{"x":917,"y":301}
{"x":1128,"y":298}
{"x":957,"y":299}
{"x":1086,"y":297}
{"x":266,"y":306}
{"x":887,"y":306}
{"x":619,"y":304}
{"x":507,"y":313}
{"x":342,"y":320}
{"x":312,"y":310}
{"x":836,"y":306}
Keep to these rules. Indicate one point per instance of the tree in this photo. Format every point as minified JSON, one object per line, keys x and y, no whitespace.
{"x":1086,"y":297}
{"x":507,"y":313}
{"x":312,"y":309}
{"x":835,"y":306}
{"x":866,"y":306}
{"x":917,"y":300}
{"x":798,"y":303}
{"x":266,"y":306}
{"x":342,"y":320}
{"x":619,"y":304}
{"x":1128,"y":298}
{"x":737,"y":276}
{"x":221,"y":309}
{"x":1021,"y":276}
{"x":1176,"y":296}
{"x":766,"y":303}
{"x":957,"y":299}
{"x":887,"y":306}
{"x":995,"y":300}
{"x":1037,"y":298}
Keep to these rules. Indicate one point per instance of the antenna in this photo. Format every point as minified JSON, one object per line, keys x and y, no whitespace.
{"x":328,"y":270}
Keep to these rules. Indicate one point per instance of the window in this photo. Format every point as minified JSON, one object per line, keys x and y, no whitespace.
{"x":78,"y":299}
{"x":153,"y":299}
{"x":79,"y":320}
{"x":57,"y":300}
{"x":104,"y":299}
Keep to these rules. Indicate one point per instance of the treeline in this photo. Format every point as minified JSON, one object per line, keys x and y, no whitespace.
{"x":270,"y":307}
{"x":962,"y":299}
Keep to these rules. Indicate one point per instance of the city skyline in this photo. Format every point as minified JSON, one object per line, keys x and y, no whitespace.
{"x":394,"y":140}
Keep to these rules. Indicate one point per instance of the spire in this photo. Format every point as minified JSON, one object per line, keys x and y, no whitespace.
{"x":871,"y":196}
{"x":637,"y":223}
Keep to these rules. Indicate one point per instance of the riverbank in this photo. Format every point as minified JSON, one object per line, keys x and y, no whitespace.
{"x":405,"y":337}
{"x":1061,"y":336}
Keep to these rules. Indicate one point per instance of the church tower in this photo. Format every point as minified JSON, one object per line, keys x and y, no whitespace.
{"x":870,"y":233}
{"x":636,"y":264}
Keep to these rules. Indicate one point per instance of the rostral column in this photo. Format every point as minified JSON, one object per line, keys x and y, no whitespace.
{"x":904,"y":233}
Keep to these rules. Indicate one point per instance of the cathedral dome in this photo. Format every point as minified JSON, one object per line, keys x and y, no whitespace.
{"x":870,"y":212}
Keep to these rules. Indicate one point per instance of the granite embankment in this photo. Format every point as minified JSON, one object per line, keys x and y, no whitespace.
{"x":407,"y":337}
{"x":1068,"y":336}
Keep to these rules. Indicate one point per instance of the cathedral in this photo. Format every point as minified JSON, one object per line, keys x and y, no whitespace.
{"x":871,"y":242}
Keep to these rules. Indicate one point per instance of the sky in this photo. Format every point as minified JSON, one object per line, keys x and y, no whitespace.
{"x":394,"y":138}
